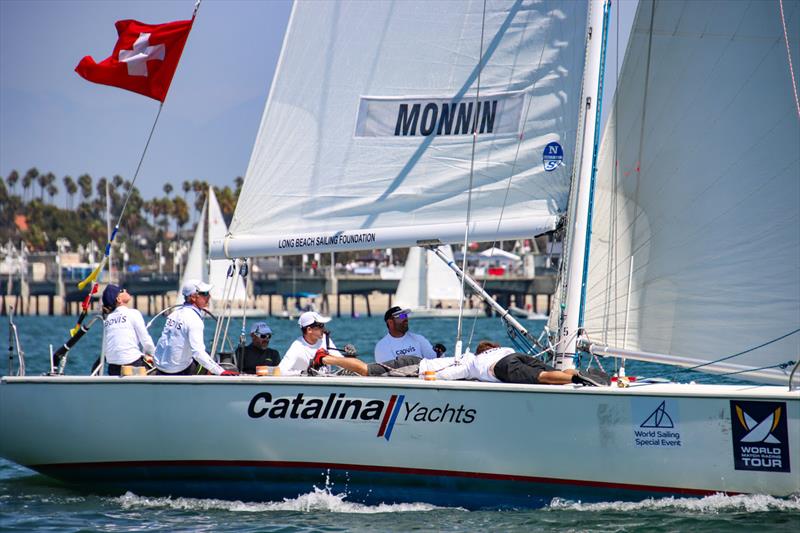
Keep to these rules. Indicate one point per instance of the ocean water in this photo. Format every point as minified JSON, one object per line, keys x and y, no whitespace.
{"x":32,"y":502}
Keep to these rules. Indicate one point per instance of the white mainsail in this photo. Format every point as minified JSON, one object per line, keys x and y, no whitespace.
{"x":365,"y":140}
{"x":196,"y":261}
{"x":426,"y":279}
{"x":695,"y":247}
{"x":198,"y":266}
{"x":218,"y":269}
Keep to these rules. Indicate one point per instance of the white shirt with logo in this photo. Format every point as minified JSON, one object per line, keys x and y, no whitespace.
{"x":300,"y":355}
{"x":409,"y":344}
{"x":125,"y":336}
{"x":480,"y":365}
{"x":181,"y":341}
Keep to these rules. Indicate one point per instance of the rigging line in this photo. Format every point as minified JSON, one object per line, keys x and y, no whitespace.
{"x":782,"y":366}
{"x":743,"y":352}
{"x":508,"y":186}
{"x":471,"y":177}
{"x":789,"y":57}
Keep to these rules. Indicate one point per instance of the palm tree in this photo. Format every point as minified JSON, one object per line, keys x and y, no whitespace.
{"x":117,"y":181}
{"x":12,"y":180}
{"x":52,"y":190}
{"x":180,"y":211}
{"x":100,"y":188}
{"x":71,"y":189}
{"x":167,"y":188}
{"x":27,"y":181}
{"x":41,"y":181}
{"x":186,"y":186}
{"x":85,"y":183}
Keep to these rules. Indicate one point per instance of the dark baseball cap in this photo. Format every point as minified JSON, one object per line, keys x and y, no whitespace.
{"x":394,"y":311}
{"x":110,"y":294}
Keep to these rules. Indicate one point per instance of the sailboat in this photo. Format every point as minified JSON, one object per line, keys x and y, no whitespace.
{"x":426,"y":279}
{"x":225,"y":287}
{"x":365,"y":143}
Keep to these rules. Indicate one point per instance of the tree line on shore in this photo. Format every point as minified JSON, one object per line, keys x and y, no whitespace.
{"x":28,"y":210}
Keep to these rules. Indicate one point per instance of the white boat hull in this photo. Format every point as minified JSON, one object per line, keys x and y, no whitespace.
{"x":454,"y":443}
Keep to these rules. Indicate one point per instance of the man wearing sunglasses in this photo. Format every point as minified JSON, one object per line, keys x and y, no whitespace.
{"x":312,"y":337}
{"x":399,"y":341}
{"x":181,"y":350}
{"x":258,"y":352}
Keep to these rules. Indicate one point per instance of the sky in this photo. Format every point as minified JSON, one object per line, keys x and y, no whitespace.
{"x":52,"y":119}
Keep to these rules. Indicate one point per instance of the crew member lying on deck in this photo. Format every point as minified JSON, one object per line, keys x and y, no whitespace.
{"x":490,"y":363}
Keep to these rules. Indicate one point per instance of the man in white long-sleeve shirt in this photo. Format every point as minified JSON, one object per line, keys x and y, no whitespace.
{"x":126,"y":340}
{"x":181,"y":347}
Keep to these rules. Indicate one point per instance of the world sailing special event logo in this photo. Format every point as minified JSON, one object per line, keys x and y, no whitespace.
{"x":656,"y":424}
{"x":760,"y":436}
{"x":553,"y":156}
{"x":340,"y":407}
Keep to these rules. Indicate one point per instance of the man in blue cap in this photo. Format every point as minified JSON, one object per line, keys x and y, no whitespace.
{"x":126,"y":340}
{"x":258,"y":352}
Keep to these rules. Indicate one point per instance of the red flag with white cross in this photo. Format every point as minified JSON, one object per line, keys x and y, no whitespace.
{"x":144,"y":58}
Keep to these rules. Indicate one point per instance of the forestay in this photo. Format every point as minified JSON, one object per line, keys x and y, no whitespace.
{"x":366,"y":138}
{"x":697,"y":195}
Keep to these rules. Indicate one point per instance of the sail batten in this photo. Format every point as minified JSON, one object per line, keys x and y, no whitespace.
{"x":368,"y":126}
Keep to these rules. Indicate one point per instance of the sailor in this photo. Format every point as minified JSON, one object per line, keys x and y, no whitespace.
{"x":126,"y":340}
{"x":489,"y":363}
{"x":313,"y":336}
{"x":181,"y":347}
{"x":399,"y":341}
{"x":258,"y":352}
{"x":494,"y":363}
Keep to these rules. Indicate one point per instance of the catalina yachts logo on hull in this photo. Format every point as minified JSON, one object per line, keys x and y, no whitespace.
{"x":340,"y":407}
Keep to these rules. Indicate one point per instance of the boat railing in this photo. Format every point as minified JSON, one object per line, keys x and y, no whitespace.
{"x":14,"y":345}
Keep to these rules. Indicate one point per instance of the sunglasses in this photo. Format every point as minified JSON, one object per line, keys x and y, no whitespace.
{"x":317,"y":325}
{"x":204,"y":294}
{"x":401,"y":316}
{"x":265,"y":336}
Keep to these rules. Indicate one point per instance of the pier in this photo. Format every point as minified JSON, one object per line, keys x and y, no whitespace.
{"x":344,"y":295}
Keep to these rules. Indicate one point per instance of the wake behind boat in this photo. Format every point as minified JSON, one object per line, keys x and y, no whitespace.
{"x":418,"y":132}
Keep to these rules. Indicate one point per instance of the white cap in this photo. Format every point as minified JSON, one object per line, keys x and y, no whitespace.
{"x":194,"y":285}
{"x":260,"y":328}
{"x":309,"y":317}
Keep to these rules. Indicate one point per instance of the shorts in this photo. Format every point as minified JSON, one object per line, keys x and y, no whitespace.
{"x":520,"y":368}
{"x":403,"y":366}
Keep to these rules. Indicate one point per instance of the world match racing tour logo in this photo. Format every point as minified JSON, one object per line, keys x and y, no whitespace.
{"x":338,"y":407}
{"x":760,"y":436}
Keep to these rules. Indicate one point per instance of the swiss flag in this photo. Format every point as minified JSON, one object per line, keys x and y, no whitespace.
{"x":144,"y":58}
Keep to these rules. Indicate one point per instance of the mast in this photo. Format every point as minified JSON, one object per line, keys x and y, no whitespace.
{"x":578,"y":253}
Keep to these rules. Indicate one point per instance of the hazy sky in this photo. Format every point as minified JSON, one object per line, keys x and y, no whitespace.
{"x":54,"y":120}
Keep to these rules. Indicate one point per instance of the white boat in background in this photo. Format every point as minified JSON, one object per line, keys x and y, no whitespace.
{"x":526,"y":314}
{"x":426,"y":279}
{"x":210,"y":227}
{"x":357,"y":150}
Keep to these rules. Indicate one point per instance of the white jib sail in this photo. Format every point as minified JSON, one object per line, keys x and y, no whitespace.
{"x":366,"y":142}
{"x":218,"y":269}
{"x":696,"y":232}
